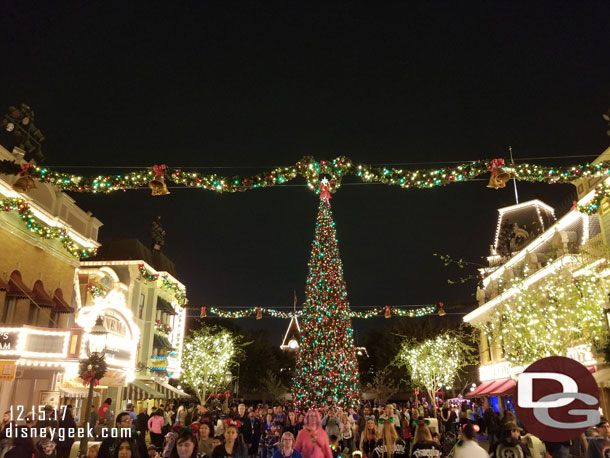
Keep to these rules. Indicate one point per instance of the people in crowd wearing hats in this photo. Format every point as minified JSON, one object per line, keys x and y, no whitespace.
{"x":49,"y":422}
{"x":510,"y":443}
{"x":152,"y":451}
{"x":600,"y":444}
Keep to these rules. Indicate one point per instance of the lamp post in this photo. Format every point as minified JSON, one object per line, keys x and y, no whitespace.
{"x":228,"y":379}
{"x":96,"y":348}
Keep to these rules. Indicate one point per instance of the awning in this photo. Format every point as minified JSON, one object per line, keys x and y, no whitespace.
{"x":500,"y":387}
{"x":161,"y":342}
{"x":17,"y":288}
{"x":171,"y":392}
{"x":68,"y":392}
{"x":602,"y":378}
{"x":504,"y":388}
{"x":165,"y":306}
{"x":41,"y":297}
{"x":61,"y":305}
{"x":147,"y":392}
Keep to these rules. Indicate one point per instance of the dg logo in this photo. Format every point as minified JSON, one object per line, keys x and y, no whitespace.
{"x":557,"y":399}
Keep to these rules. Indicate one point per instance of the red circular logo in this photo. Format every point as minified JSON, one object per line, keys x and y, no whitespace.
{"x":557,"y":399}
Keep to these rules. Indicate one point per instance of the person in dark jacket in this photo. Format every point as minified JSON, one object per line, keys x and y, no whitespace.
{"x":510,"y":443}
{"x":108,"y":448}
{"x":23,"y":444}
{"x":252,"y":433}
{"x":66,"y":422}
{"x":142,"y":422}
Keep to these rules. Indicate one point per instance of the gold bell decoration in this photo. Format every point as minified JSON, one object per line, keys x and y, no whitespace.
{"x":203,"y":313}
{"x":388,"y":312}
{"x":259,"y":313}
{"x":25,"y":182}
{"x":441,"y":309}
{"x":498,"y":177}
{"x":157,"y":184}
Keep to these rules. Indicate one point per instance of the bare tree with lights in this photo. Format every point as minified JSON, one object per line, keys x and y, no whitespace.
{"x":207,"y":356}
{"x":437,"y":362}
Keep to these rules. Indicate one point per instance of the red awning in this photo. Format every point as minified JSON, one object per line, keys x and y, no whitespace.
{"x":3,"y":286}
{"x":41,"y":297}
{"x":493,"y":388}
{"x":505,"y":388}
{"x":17,"y":288}
{"x":61,"y":305}
{"x":479,"y":389}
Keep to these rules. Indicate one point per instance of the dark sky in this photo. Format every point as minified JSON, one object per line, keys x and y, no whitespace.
{"x":232,"y":84}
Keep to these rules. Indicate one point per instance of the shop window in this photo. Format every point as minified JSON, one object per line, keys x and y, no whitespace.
{"x":488,"y":348}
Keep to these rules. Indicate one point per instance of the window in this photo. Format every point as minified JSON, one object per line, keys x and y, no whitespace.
{"x":141,"y":306}
{"x":488,"y":348}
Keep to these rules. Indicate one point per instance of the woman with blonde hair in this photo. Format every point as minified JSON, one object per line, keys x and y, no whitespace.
{"x":368,"y":439}
{"x":389,"y":445}
{"x":423,"y":444}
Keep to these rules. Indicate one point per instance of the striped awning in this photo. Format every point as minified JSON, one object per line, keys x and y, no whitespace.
{"x":139,"y":390}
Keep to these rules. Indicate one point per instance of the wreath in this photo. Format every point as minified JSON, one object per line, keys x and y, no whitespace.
{"x":93,"y":368}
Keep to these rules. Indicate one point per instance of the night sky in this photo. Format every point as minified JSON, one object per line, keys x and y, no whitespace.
{"x":254,"y":85}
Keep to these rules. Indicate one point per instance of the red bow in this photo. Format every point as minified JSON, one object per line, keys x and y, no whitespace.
{"x":574,"y":205}
{"x":25,"y":168}
{"x":159,"y":169}
{"x":496,"y":164}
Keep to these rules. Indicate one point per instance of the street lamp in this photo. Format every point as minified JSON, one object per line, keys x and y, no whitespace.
{"x":228,"y":377}
{"x":96,"y":349}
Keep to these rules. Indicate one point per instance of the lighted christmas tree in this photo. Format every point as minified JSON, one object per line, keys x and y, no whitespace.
{"x":326,"y":370}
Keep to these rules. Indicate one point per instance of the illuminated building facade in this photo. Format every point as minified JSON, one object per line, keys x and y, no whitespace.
{"x":529,"y":249}
{"x":39,"y":342}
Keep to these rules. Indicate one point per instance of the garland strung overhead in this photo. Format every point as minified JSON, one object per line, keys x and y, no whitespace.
{"x":386,"y":311}
{"x":44,"y":230}
{"x":312,"y":170}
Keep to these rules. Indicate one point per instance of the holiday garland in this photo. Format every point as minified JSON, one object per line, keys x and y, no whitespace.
{"x":601,"y":192}
{"x":44,"y":230}
{"x":387,"y":311}
{"x":175,"y":288}
{"x":312,"y":170}
{"x":92,"y":369}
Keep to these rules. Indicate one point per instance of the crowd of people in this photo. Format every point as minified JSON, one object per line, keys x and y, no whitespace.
{"x":279,"y":431}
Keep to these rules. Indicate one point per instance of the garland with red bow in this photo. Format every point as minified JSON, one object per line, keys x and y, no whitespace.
{"x":92,"y":369}
{"x":312,"y":170}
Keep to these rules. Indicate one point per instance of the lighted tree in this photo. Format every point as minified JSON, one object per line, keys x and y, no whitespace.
{"x":207,"y":354}
{"x":548,"y":317}
{"x":437,"y":362}
{"x":326,"y":367}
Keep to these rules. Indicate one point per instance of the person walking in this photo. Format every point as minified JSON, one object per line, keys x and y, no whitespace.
{"x":65,"y":439}
{"x":390,"y":445}
{"x":312,"y":440}
{"x":155,"y":427}
{"x":423,"y":444}
{"x":469,"y":448}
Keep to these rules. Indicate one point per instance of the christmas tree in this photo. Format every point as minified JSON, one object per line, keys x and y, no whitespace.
{"x":326,"y":370}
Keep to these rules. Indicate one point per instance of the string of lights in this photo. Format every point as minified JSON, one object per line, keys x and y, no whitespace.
{"x":309,"y":168}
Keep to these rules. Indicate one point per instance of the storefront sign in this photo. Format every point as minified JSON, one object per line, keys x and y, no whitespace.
{"x":173,"y":364}
{"x":495,"y":371}
{"x":8,"y":340}
{"x":50,"y":398}
{"x":582,"y":354}
{"x":8,"y":368}
{"x":158,"y":363}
